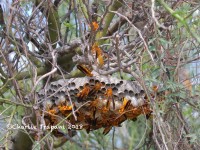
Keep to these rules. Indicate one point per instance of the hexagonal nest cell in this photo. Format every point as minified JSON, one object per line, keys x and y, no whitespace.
{"x":93,"y":102}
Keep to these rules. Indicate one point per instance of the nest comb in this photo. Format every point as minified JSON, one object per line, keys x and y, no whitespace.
{"x":98,"y":102}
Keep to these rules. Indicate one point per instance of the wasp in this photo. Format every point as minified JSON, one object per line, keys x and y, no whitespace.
{"x":83,"y":93}
{"x":114,"y":122}
{"x":95,"y":89}
{"x":109,"y":92}
{"x":50,"y":117}
{"x":100,"y":58}
{"x":94,"y":103}
{"x":125,"y":105}
{"x":49,"y":121}
{"x":55,"y":132}
{"x":65,"y":109}
{"x":99,"y":54}
{"x":109,"y":95}
{"x":117,"y":121}
{"x":107,"y":130}
{"x":107,"y":107}
{"x":93,"y":107}
{"x":94,"y":26}
{"x":91,"y":123}
{"x":85,"y":70}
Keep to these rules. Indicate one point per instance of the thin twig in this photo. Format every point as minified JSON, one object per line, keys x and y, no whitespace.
{"x":139,"y":32}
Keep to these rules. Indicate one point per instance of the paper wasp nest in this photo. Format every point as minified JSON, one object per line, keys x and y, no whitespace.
{"x":98,"y":102}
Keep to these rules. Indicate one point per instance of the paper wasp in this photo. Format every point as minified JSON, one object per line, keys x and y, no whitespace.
{"x":99,"y":54}
{"x":100,"y":58}
{"x":92,"y":122}
{"x":107,"y":130}
{"x":94,"y":26}
{"x":95,"y":89}
{"x":85,"y":70}
{"x":109,"y":95}
{"x":93,"y":107}
{"x":107,"y":107}
{"x":125,"y":105}
{"x":114,"y":122}
{"x":50,"y":117}
{"x":94,"y":103}
{"x":118,"y":120}
{"x":65,"y":109}
{"x":83,"y":93}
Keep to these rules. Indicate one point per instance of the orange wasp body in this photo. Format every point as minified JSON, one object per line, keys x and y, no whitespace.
{"x":94,"y":103}
{"x":109,"y":92}
{"x":106,"y":108}
{"x":100,"y":58}
{"x":85,"y":70}
{"x":50,"y":117}
{"x":125,"y":105}
{"x":94,"y":26}
{"x":65,"y":109}
{"x":99,"y":54}
{"x":83,"y":93}
{"x":109,"y":95}
{"x":96,"y":88}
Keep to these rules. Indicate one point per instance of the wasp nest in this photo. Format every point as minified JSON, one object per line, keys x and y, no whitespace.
{"x":93,"y":102}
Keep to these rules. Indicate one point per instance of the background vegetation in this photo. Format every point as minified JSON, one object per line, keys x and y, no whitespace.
{"x":42,"y":41}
